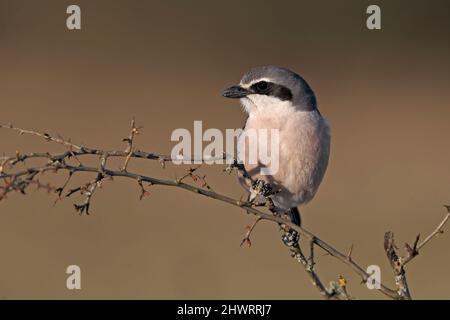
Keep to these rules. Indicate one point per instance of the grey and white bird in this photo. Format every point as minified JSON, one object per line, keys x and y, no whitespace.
{"x":277,"y":98}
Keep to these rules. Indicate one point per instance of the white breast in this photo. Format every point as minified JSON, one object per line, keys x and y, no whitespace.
{"x":304,"y":149}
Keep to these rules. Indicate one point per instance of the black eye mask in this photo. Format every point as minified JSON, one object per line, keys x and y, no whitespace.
{"x":272,"y":89}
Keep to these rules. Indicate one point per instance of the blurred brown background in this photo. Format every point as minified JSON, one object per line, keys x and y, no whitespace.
{"x":385,"y":93}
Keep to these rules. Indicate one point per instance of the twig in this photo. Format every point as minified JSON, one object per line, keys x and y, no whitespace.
{"x":397,"y":266}
{"x":398,"y":263}
{"x":144,"y":192}
{"x":439,"y":230}
{"x":311,"y":262}
{"x":84,"y":207}
{"x":246,"y":239}
{"x":297,"y":254}
{"x":45,"y":136}
{"x":130,"y":140}
{"x":74,"y":150}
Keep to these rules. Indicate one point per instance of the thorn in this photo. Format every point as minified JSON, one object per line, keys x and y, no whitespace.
{"x":162,"y":162}
{"x":349,"y":254}
{"x":247,"y":242}
{"x":249,"y":229}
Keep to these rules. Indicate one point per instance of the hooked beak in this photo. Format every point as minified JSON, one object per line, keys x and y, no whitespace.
{"x":236,"y":92}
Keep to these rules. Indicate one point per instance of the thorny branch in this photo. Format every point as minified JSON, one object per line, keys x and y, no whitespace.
{"x":398,"y":262}
{"x":20,"y":180}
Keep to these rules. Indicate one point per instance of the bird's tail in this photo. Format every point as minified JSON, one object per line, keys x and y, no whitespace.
{"x":294,"y":215}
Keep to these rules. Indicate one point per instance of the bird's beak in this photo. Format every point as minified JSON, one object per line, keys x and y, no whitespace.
{"x":235,"y":92}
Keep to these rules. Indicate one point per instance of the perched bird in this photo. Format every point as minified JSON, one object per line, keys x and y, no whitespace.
{"x":277,"y":98}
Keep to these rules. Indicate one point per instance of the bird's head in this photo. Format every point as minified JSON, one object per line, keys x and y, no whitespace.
{"x":271,"y":89}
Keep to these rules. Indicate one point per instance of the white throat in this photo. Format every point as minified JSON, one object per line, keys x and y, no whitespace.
{"x":266,"y":106}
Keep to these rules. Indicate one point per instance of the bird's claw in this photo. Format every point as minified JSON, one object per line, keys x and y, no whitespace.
{"x":262,"y":188}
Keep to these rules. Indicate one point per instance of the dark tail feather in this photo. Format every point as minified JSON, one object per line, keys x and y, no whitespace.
{"x":294,"y":215}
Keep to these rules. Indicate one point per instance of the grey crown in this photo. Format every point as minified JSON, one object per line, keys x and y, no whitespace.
{"x":303,"y":96}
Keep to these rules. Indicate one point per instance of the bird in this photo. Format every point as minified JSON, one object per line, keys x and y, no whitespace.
{"x":278,"y":98}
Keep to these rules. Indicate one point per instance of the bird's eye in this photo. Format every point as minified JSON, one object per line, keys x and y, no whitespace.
{"x":261,"y":86}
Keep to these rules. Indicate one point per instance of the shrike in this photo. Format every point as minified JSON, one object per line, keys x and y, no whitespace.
{"x":277,"y":98}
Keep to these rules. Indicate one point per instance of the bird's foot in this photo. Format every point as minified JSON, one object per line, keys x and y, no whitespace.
{"x":262,"y":188}
{"x":260,"y":194}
